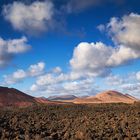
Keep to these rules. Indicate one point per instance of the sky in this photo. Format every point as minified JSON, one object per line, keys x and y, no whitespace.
{"x":59,"y":47}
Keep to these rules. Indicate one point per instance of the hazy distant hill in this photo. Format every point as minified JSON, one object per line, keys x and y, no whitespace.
{"x":63,"y":97}
{"x":44,"y":100}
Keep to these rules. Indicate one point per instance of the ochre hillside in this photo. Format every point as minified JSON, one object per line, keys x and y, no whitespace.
{"x":107,"y":97}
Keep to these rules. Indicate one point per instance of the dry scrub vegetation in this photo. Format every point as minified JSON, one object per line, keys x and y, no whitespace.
{"x":71,"y":122}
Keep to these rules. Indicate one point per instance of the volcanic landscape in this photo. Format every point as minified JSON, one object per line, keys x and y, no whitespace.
{"x":108,"y":115}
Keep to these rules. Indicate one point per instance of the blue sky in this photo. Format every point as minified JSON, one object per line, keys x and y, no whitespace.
{"x":55,"y":47}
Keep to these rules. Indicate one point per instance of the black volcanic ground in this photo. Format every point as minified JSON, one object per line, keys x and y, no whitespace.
{"x":71,"y":122}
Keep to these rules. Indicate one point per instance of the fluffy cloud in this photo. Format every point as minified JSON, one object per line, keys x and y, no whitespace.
{"x":49,"y":79}
{"x":36,"y":69}
{"x":126,"y":30}
{"x":55,"y":81}
{"x":64,"y":83}
{"x":125,"y":33}
{"x":31,"y":18}
{"x":121,"y":55}
{"x":97,"y":59}
{"x":57,"y":70}
{"x":78,"y":87}
{"x":20,"y":74}
{"x":114,"y":80}
{"x":16,"y":77}
{"x":138,"y":75}
{"x":101,"y":27}
{"x":132,"y":89}
{"x":9,"y":48}
{"x":91,"y":58}
{"x":127,"y":83}
{"x":56,"y":77}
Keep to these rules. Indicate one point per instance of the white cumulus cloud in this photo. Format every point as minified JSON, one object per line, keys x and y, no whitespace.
{"x":31,"y":18}
{"x":138,"y":75}
{"x":36,"y":69}
{"x":97,"y":59}
{"x":9,"y":48}
{"x":126,"y":30}
{"x":20,"y":74}
{"x":57,"y":70}
{"x":91,"y":58}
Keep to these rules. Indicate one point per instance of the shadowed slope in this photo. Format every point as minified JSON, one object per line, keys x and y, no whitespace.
{"x":14,"y":97}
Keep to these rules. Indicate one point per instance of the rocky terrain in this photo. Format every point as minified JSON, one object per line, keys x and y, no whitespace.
{"x":71,"y":122}
{"x":107,"y":116}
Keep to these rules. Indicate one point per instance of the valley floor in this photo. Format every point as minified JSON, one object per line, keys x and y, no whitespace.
{"x":71,"y":122}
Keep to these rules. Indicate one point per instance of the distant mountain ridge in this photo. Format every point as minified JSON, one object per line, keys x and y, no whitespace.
{"x":14,"y":97}
{"x":63,"y":97}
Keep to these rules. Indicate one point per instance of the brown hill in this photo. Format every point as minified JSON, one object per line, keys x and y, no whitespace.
{"x":107,"y":97}
{"x":86,"y":100}
{"x":14,"y":97}
{"x":114,"y":97}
